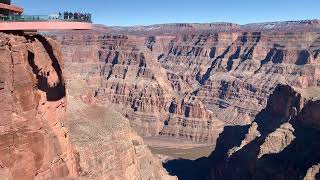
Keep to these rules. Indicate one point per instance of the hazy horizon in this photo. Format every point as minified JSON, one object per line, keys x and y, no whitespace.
{"x":203,"y":23}
{"x":144,"y":12}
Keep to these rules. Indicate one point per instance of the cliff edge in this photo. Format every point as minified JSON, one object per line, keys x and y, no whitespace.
{"x":44,"y":137}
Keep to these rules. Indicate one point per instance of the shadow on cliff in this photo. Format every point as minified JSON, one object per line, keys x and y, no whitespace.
{"x":295,"y":160}
{"x":58,"y":91}
{"x":200,"y":169}
{"x":213,"y":167}
{"x":222,"y":166}
{"x":206,"y":76}
{"x":291,"y":163}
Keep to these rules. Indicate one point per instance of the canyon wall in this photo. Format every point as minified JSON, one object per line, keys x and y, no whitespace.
{"x":124,"y":71}
{"x":108,"y":147}
{"x":282,"y":142}
{"x":33,"y":101}
{"x":175,"y":82}
{"x":233,"y":73}
{"x":44,"y":137}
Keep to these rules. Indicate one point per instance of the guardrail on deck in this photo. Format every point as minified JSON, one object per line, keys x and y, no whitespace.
{"x":72,"y":17}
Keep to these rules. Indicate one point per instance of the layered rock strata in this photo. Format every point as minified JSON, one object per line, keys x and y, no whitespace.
{"x":189,"y":85}
{"x":44,"y":137}
{"x":124,"y":71}
{"x":34,"y":144}
{"x":233,"y":74}
{"x":107,"y":146}
{"x":282,"y":142}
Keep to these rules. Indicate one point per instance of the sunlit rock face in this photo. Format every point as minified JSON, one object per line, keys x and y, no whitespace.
{"x":34,"y":141}
{"x":124,"y":71}
{"x":188,"y":81}
{"x":44,"y":137}
{"x":216,"y":84}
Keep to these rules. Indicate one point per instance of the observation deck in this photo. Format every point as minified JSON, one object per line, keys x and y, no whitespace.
{"x":11,"y":19}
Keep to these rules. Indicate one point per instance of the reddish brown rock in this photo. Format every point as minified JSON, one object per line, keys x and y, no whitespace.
{"x":208,"y":78}
{"x":235,"y":82}
{"x":282,"y":143}
{"x":44,"y":137}
{"x":121,"y":70}
{"x":33,"y":141}
{"x":108,"y":148}
{"x":189,"y":81}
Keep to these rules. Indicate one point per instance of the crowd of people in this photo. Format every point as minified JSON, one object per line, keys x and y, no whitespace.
{"x":61,"y":16}
{"x":75,"y":16}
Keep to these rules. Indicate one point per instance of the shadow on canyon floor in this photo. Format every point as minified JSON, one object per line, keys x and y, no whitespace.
{"x":292,"y":162}
{"x":199,"y":169}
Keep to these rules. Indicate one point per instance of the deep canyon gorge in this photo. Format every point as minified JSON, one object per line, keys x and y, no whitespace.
{"x":91,"y":104}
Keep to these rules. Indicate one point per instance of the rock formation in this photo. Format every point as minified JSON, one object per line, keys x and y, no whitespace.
{"x":124,"y":71}
{"x":187,"y":81}
{"x":214,"y":84}
{"x":208,"y":83}
{"x":33,"y":101}
{"x":282,"y":143}
{"x":108,"y":148}
{"x":44,"y":137}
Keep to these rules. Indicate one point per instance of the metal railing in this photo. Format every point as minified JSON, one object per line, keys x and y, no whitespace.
{"x":40,"y":18}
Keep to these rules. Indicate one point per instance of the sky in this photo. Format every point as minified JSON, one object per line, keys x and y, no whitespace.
{"x":146,"y":12}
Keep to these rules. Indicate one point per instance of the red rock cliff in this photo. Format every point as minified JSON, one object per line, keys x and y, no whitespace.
{"x":124,"y":71}
{"x":189,"y":85}
{"x":44,"y":137}
{"x":34,"y":143}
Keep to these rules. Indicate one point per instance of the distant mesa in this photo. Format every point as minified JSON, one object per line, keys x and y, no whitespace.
{"x":12,"y":19}
{"x":312,"y":25}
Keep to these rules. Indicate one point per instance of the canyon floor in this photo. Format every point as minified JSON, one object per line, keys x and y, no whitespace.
{"x":174,"y":149}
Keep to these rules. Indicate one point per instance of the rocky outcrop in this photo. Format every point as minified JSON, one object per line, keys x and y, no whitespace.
{"x":282,"y":142}
{"x":44,"y":137}
{"x":313,"y":173}
{"x":34,"y":144}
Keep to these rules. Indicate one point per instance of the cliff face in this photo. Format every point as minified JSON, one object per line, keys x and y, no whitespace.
{"x":108,"y":147}
{"x":124,"y":71}
{"x":43,"y":137}
{"x":282,"y":142}
{"x":235,"y":72}
{"x":190,"y":84}
{"x":32,"y":91}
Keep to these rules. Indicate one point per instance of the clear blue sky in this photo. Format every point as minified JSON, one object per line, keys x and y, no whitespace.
{"x":144,"y":12}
